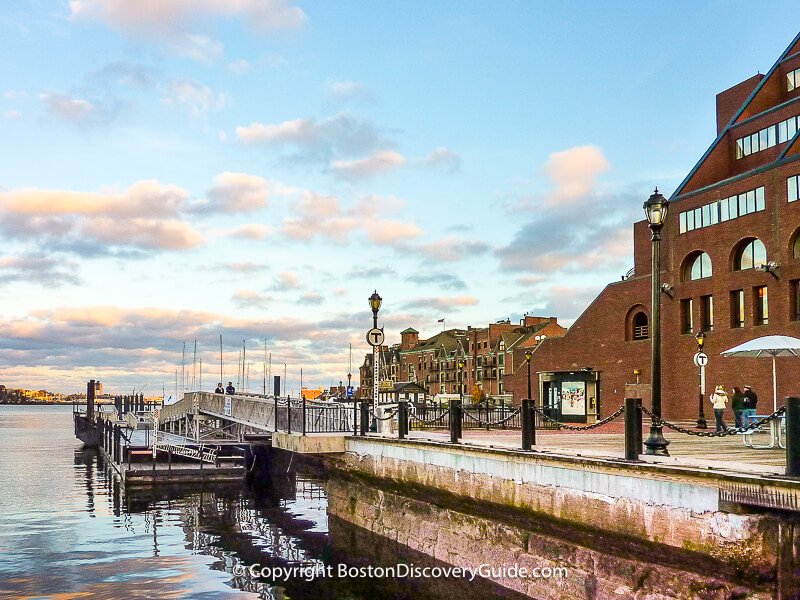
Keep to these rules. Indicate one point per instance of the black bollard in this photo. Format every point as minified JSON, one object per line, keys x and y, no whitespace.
{"x":528,"y":418}
{"x":639,"y":438}
{"x":355,"y":417}
{"x":402,"y":420}
{"x":364,"y":416}
{"x":455,"y":421}
{"x":633,"y":428}
{"x":793,"y":436}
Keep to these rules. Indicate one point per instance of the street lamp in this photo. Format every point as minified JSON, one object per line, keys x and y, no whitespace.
{"x":701,"y":417}
{"x":655,"y":208}
{"x":375,"y":304}
{"x":528,"y":355}
{"x":461,"y":379}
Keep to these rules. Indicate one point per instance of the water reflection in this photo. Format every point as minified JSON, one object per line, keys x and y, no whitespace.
{"x":67,"y":528}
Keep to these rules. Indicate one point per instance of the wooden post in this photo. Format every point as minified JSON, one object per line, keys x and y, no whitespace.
{"x":90,"y":400}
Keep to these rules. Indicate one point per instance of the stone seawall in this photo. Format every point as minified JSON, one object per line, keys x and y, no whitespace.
{"x":602,"y":568}
{"x":657,"y":506}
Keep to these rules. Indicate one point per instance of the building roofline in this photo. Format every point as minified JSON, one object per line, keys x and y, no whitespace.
{"x":677,"y":193}
{"x":781,"y":160}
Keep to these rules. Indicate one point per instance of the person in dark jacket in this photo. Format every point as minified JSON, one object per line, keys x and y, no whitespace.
{"x":219,"y":389}
{"x":230,"y":390}
{"x":750,"y":401}
{"x":737,"y":404}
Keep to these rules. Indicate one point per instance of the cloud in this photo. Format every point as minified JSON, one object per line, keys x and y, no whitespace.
{"x":73,"y":110}
{"x":151,"y":17}
{"x":126,"y":73}
{"x":147,"y":216}
{"x":47,"y":271}
{"x":239,"y":67}
{"x":317,"y":215}
{"x":197,"y":47}
{"x":243,"y":267}
{"x":251,"y":231}
{"x":285,"y":281}
{"x":574,"y":172}
{"x":384,"y":161}
{"x":13,"y":114}
{"x":441,"y":158}
{"x":198,"y":98}
{"x":250,"y":299}
{"x":441,"y":302}
{"x":341,"y":135}
{"x":388,"y":232}
{"x":558,"y":237}
{"x":380,"y":162}
{"x":445,"y":281}
{"x":311,"y":298}
{"x":343,"y":91}
{"x":236,"y":193}
{"x":370,"y":273}
{"x":451,"y":249}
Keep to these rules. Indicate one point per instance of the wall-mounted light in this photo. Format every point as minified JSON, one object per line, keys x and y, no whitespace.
{"x":669,"y":290}
{"x":771,"y":267}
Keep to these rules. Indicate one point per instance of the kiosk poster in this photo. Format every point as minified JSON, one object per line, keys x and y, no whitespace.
{"x":573,"y":398}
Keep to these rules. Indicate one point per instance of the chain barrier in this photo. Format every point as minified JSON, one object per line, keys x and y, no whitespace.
{"x":730,"y":431}
{"x":561,"y":425}
{"x":389,"y":415}
{"x":483,"y":423}
{"x":414,"y":417}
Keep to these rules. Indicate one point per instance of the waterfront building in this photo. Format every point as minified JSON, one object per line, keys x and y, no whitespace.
{"x":730,"y":268}
{"x":492,"y":357}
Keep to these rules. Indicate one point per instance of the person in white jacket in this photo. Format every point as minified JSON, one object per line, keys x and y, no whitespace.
{"x":719,"y":400}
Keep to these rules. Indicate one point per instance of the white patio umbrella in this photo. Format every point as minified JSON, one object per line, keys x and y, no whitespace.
{"x":769,"y":345}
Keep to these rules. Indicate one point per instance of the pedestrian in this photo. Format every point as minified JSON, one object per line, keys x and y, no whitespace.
{"x":230,"y":390}
{"x":719,"y":399}
{"x":219,"y":389}
{"x":750,"y":401}
{"x":737,"y":404}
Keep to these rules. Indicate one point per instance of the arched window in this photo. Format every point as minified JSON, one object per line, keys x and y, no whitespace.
{"x":795,"y":249}
{"x":698,"y":266}
{"x":640,"y":328}
{"x":751,"y":254}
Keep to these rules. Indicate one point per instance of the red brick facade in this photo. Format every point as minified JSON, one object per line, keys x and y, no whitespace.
{"x":602,"y":339}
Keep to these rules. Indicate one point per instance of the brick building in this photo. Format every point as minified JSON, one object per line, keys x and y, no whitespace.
{"x":730,"y":261}
{"x":492,"y":356}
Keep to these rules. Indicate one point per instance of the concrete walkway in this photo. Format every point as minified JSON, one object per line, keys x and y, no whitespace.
{"x":728,"y":454}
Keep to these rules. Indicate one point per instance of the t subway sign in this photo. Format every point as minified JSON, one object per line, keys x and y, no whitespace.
{"x":375,"y":337}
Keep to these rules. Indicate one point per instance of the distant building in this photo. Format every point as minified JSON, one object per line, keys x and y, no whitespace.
{"x":731,"y":264}
{"x":491,"y":357}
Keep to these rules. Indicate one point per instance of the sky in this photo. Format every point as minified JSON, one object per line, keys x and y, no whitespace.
{"x":176,"y":170}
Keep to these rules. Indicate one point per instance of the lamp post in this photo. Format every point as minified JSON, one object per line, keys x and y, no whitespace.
{"x":375,"y":304}
{"x":655,"y":209}
{"x":701,"y":417}
{"x":528,"y":355}
{"x":461,"y":380}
